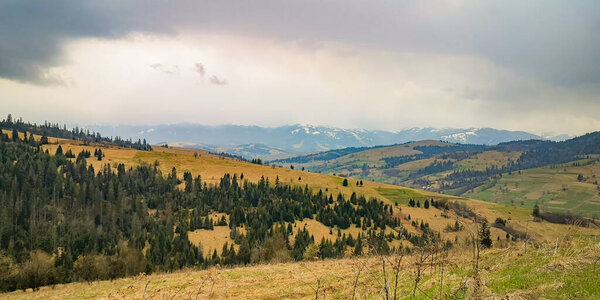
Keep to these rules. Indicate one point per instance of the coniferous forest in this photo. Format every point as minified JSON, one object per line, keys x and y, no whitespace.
{"x":55,"y":130}
{"x":63,"y":221}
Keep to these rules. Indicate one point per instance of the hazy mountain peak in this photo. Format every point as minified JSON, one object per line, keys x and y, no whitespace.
{"x":304,"y":138}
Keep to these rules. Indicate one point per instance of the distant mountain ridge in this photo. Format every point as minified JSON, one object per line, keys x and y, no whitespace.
{"x":269,"y":142}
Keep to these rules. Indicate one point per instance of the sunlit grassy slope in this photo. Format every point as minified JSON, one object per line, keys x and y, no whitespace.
{"x":373,"y":157}
{"x":510,"y":268}
{"x":212,"y":167}
{"x":554,"y":188}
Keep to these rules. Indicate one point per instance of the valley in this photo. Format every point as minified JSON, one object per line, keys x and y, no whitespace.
{"x":187,"y":150}
{"x":340,"y":218}
{"x":515,"y":174}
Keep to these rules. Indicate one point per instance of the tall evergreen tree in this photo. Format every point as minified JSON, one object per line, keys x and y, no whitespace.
{"x":484,"y":235}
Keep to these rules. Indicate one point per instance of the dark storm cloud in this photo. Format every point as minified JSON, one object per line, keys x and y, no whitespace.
{"x":32,"y":32}
{"x":554,"y":41}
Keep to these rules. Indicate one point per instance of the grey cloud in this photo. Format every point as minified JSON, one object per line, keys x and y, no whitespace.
{"x":216,"y":80}
{"x":554,"y":41}
{"x":32,"y":33}
{"x":199,"y":68}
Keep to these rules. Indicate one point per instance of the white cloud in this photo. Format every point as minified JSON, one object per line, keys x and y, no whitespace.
{"x":166,"y":69}
{"x":282,"y":82}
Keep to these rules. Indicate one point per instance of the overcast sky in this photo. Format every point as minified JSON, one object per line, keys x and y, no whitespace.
{"x":519,"y":65}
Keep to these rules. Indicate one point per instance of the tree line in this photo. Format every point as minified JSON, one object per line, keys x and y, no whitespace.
{"x":55,"y":130}
{"x":63,"y":221}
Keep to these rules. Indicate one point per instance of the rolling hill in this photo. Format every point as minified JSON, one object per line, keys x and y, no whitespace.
{"x":559,"y":176}
{"x":124,"y":210}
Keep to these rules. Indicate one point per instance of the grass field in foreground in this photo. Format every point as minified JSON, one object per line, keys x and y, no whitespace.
{"x":570,"y":270}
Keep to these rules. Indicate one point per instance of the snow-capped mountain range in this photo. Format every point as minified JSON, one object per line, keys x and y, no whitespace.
{"x":269,"y":142}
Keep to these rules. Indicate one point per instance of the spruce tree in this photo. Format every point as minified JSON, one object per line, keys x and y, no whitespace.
{"x":243,"y":255}
{"x":536,"y":211}
{"x":484,"y":235}
{"x":358,"y":249}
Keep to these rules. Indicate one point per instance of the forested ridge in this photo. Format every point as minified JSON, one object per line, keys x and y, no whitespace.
{"x":63,"y":221}
{"x":537,"y":154}
{"x":55,"y":130}
{"x":325,"y":155}
{"x":451,"y":167}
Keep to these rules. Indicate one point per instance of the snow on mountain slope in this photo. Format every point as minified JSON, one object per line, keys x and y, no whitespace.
{"x":303,"y":138}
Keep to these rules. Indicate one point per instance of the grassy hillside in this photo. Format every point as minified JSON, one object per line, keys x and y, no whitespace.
{"x":354,"y":164}
{"x":568,"y":269}
{"x":519,"y":192}
{"x":487,"y":159}
{"x":442,"y":266}
{"x":212,"y":167}
{"x":555,"y":186}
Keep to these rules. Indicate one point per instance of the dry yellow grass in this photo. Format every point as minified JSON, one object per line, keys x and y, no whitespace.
{"x":38,"y":137}
{"x":211,"y":168}
{"x":211,"y":239}
{"x":292,"y":280}
{"x":501,"y":276}
{"x":280,"y":281}
{"x":319,"y":230}
{"x":416,"y":164}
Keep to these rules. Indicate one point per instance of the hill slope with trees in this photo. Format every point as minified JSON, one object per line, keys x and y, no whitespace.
{"x":86,"y":211}
{"x":469,"y":170}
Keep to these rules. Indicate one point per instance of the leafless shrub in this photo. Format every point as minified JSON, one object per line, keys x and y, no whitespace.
{"x":318,"y":280}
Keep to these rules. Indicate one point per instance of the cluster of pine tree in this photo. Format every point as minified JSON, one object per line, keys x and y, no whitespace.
{"x":426,"y":204}
{"x":451,"y":151}
{"x":62,"y":220}
{"x":535,"y":154}
{"x":435,"y":167}
{"x":55,"y":130}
